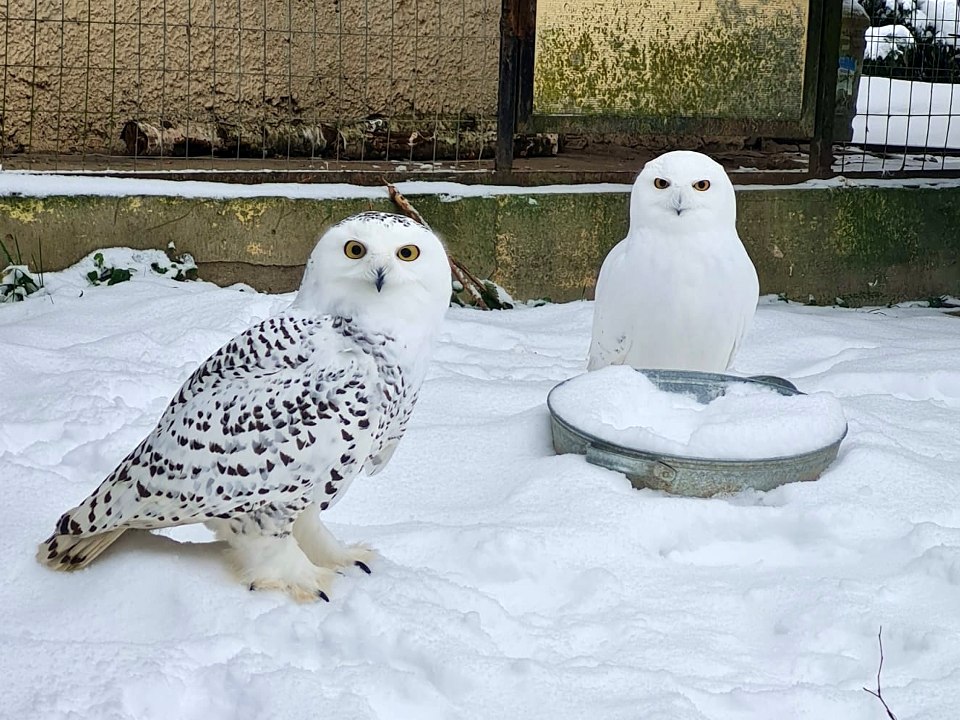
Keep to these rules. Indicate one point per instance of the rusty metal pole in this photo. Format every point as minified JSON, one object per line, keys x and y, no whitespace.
{"x":507,"y":90}
{"x":526,"y":33}
{"x":821,"y":146}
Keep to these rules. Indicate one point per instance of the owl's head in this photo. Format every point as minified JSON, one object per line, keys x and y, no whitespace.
{"x":378,"y":264}
{"x":682,"y":191}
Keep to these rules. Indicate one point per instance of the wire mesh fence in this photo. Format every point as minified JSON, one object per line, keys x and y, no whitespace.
{"x":137,"y":84}
{"x":899,"y":69}
{"x":409,"y":85}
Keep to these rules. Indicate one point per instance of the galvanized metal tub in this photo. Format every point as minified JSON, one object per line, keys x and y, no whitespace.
{"x":693,"y":476}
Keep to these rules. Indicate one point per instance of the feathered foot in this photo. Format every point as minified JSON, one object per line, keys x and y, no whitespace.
{"x":324,"y":549}
{"x":267,"y":562}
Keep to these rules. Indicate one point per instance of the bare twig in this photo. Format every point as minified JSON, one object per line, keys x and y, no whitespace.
{"x":409,"y":210}
{"x":878,"y":694}
{"x":467,"y":280}
{"x":463,"y":268}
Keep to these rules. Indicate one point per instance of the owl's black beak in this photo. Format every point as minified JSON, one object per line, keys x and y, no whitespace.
{"x":381,"y":276}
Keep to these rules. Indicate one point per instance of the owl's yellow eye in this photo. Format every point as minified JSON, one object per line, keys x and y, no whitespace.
{"x":701,"y":185}
{"x":354,"y":250}
{"x":661,"y":184}
{"x":408,"y":253}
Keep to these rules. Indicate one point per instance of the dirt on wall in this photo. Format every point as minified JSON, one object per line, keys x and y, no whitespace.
{"x":76,"y":71}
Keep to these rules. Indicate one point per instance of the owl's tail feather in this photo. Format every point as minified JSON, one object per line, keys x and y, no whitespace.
{"x":72,"y":552}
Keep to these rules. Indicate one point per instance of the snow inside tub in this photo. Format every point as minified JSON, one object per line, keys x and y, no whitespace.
{"x":694,"y":433}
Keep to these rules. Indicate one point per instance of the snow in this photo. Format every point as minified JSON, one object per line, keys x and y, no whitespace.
{"x":939,"y":15}
{"x":44,"y":184}
{"x":942,"y":16}
{"x":881,"y":41}
{"x":907,"y":113}
{"x":513,"y":583}
{"x":852,"y":159}
{"x":16,"y":282}
{"x":749,"y":422}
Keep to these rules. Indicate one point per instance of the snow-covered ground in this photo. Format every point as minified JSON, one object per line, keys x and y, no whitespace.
{"x":514,"y":583}
{"x":907,"y":113}
{"x":851,"y":159}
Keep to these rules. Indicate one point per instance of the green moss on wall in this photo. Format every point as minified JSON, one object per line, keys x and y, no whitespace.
{"x":864,"y":245}
{"x":746,"y":65}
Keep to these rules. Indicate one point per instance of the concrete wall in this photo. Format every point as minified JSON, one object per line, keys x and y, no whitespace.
{"x":672,"y":58}
{"x":236,"y":72}
{"x":867,"y":245}
{"x":76,"y":71}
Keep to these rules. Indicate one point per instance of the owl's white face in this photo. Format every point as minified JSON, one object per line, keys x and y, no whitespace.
{"x":682,"y":191}
{"x":377,"y":263}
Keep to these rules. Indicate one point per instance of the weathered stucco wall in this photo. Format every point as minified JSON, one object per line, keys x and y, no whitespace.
{"x":258,"y":76}
{"x":862,"y":245}
{"x":714,"y":58}
{"x":77,"y":70}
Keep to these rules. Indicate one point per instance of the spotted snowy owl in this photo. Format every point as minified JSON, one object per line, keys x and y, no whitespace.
{"x":272,"y":428}
{"x":679,"y":292}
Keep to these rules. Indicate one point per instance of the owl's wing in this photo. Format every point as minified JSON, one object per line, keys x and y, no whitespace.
{"x":377,"y":462}
{"x":735,"y":347}
{"x":390,"y":439}
{"x":609,"y":342}
{"x":748,"y":308}
{"x":287,"y":404}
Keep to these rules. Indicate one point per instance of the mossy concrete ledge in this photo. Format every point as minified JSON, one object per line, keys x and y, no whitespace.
{"x":862,"y":245}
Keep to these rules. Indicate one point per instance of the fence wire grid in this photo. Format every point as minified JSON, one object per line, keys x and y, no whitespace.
{"x":907,"y":110}
{"x":139,"y":84}
{"x":401,"y":86}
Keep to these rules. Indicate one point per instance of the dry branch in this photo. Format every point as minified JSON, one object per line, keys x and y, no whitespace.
{"x":467,"y":283}
{"x":409,"y":210}
{"x":470,"y":283}
{"x":227,"y":140}
{"x":145,"y":139}
{"x":878,"y":694}
{"x":372,"y":139}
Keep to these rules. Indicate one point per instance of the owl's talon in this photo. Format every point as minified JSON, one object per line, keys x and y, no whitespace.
{"x":363,"y":566}
{"x":323,"y":596}
{"x":252,"y":587}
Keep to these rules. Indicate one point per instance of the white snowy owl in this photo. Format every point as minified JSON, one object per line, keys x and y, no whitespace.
{"x":272,"y":428}
{"x":679,"y":292}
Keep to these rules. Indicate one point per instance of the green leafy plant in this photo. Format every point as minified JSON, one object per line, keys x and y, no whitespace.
{"x":182,"y":266}
{"x":490,"y":293}
{"x":109,"y":275}
{"x":941,"y":301}
{"x":16,"y":280}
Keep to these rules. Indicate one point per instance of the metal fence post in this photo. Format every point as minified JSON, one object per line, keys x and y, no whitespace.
{"x":821,"y":145}
{"x":507,"y":91}
{"x":527,"y":31}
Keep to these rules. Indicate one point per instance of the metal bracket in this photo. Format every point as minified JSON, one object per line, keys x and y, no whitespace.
{"x":633,"y":466}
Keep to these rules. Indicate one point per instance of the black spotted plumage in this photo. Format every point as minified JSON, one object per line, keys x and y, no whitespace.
{"x":251,"y":432}
{"x":274,"y":426}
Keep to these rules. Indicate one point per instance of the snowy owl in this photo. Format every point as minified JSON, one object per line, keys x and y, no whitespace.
{"x":272,"y":428}
{"x":679,"y":292}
